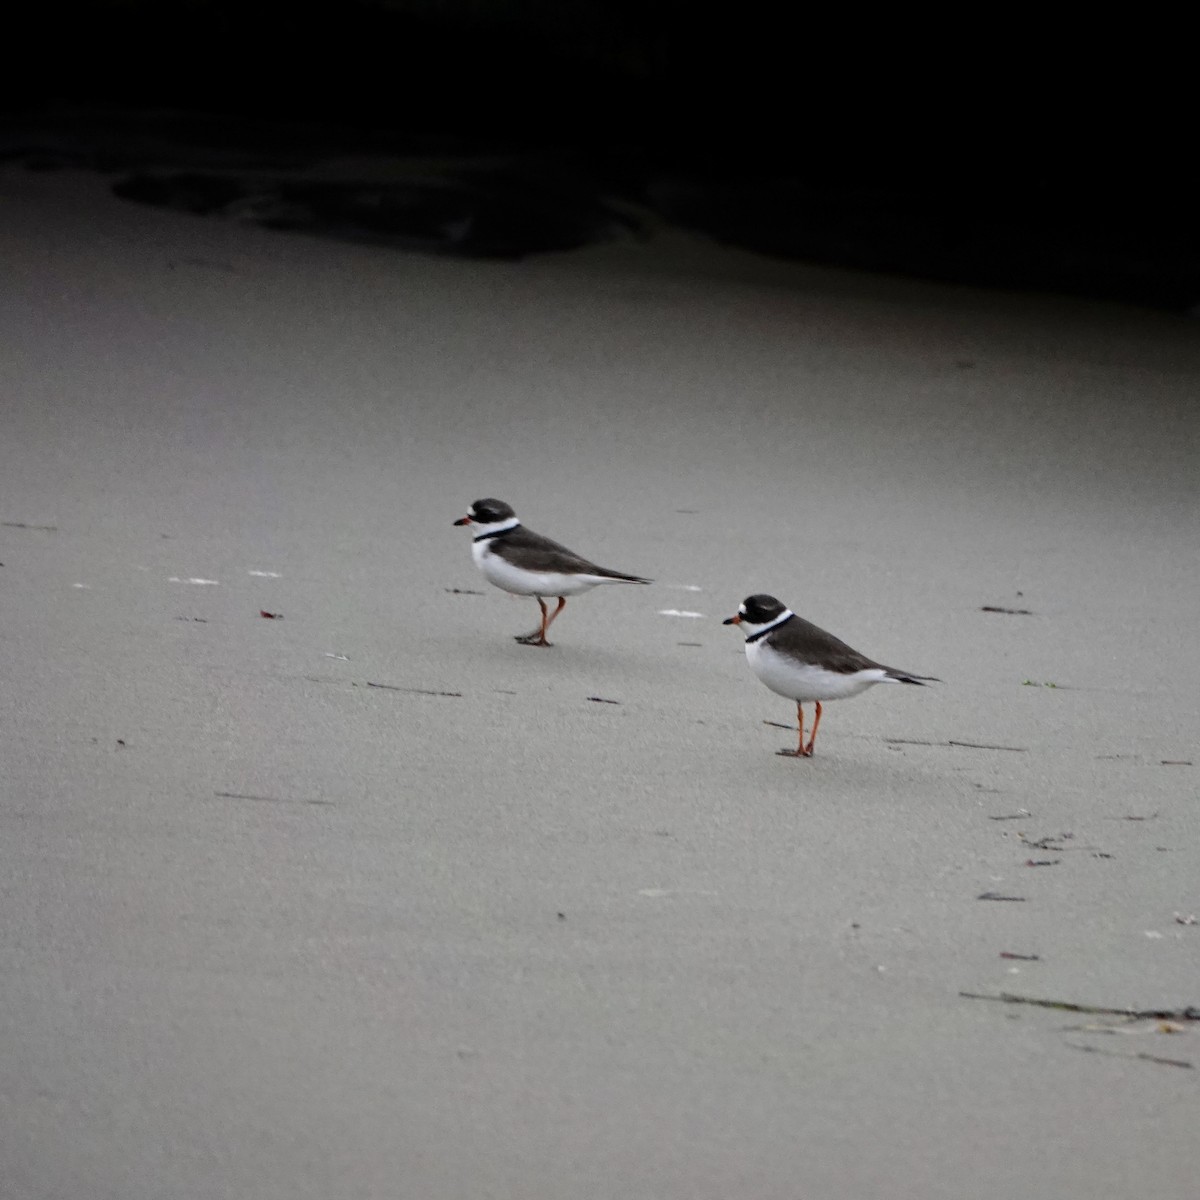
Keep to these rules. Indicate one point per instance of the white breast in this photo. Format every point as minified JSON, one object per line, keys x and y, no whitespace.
{"x":803,"y":682}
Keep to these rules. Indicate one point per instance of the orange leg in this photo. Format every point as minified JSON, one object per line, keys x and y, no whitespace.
{"x":538,"y":636}
{"x":800,"y":751}
{"x":813,"y":736}
{"x":562,"y":603}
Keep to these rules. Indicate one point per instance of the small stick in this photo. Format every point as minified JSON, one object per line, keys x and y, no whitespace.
{"x":391,"y":687}
{"x":269,"y":799}
{"x":983,"y":746}
{"x":1142,"y":1056}
{"x":1190,"y":1013}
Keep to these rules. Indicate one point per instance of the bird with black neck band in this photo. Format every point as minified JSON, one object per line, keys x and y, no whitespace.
{"x":517,"y":560}
{"x":797,"y":660}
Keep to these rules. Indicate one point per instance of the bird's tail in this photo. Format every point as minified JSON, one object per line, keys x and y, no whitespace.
{"x":617,"y":577}
{"x":904,"y":677}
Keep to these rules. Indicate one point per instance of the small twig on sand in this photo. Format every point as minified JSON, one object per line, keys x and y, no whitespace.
{"x":391,"y":687}
{"x":1142,"y":1056}
{"x":1049,"y":842}
{"x":269,"y":799}
{"x":1191,"y":1013}
{"x":983,"y":746}
{"x":952,"y":742}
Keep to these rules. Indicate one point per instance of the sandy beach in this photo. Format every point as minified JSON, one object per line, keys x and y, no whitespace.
{"x":367,"y":900}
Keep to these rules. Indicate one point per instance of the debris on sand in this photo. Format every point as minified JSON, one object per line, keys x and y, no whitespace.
{"x":392,"y":687}
{"x":1190,"y":1013}
{"x":270,"y":799}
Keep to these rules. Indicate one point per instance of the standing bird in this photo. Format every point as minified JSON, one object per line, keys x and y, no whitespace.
{"x":796,"y":659}
{"x":525,"y":563}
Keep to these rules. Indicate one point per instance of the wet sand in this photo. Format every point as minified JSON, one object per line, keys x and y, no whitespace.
{"x":273,"y":932}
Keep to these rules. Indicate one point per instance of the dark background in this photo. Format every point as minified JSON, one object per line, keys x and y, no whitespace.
{"x":997,"y":148}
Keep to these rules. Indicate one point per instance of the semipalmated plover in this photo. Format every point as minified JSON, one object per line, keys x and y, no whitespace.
{"x":525,"y":563}
{"x":796,"y":659}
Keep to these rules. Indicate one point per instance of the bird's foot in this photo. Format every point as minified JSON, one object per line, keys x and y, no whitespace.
{"x":532,"y":639}
{"x":806,"y":753}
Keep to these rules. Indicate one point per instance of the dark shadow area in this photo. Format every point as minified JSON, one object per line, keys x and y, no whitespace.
{"x":1043,"y":160}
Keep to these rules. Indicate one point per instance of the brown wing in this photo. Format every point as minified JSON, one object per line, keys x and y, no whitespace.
{"x":540,"y":553}
{"x":834,"y":655}
{"x":816,"y":645}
